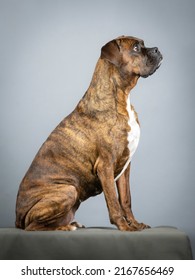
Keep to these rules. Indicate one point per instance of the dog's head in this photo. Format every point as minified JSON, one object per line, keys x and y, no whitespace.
{"x":131,"y":56}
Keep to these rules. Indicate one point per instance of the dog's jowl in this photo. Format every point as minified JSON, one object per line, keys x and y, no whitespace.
{"x":90,"y":151}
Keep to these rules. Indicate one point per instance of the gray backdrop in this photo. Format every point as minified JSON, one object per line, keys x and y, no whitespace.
{"x":48,"y":51}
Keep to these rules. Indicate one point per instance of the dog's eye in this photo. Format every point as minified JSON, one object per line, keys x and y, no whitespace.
{"x":136,"y":48}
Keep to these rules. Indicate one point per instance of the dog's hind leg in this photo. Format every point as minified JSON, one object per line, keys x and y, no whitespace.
{"x":55,"y":210}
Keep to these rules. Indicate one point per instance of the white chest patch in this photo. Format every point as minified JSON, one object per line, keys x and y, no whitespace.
{"x":133,"y":135}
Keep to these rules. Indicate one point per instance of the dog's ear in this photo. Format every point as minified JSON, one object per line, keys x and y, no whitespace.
{"x":111,"y":52}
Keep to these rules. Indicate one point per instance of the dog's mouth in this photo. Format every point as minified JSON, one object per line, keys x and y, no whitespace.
{"x":152,"y":65}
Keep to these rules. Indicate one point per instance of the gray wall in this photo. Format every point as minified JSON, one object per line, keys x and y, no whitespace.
{"x":48,"y":52}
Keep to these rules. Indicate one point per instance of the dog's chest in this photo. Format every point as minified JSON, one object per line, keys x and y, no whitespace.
{"x":134,"y":133}
{"x":132,"y":137}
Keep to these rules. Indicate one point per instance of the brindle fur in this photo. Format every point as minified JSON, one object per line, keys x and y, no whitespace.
{"x":89,"y":148}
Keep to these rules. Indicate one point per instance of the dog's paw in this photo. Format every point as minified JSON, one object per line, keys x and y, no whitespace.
{"x":128,"y":228}
{"x":144,"y":226}
{"x":137,"y":225}
{"x":78,"y":225}
{"x":67,"y":228}
{"x":124,"y":226}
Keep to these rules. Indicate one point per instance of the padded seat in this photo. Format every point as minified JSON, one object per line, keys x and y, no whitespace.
{"x":160,"y":243}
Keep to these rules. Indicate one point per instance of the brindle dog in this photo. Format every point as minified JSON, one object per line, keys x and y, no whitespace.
{"x":90,"y":151}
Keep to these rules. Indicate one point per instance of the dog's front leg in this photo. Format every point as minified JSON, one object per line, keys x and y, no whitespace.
{"x":106,"y":175}
{"x":124,"y":194}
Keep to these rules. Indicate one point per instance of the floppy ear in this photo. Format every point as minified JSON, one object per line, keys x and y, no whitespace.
{"x":111,"y":52}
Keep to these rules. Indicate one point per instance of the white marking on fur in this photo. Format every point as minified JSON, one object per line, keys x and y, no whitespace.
{"x":73,"y":228}
{"x":133,"y":135}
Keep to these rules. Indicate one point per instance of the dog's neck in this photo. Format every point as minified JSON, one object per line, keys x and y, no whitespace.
{"x":110,"y":74}
{"x":109,"y":91}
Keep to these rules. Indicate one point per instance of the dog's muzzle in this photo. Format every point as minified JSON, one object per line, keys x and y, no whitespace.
{"x":154,"y":60}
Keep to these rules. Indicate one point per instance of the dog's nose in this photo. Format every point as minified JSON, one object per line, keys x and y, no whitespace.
{"x":154,"y":50}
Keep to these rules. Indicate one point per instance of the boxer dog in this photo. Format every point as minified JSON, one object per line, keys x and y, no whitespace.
{"x":90,"y":151}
